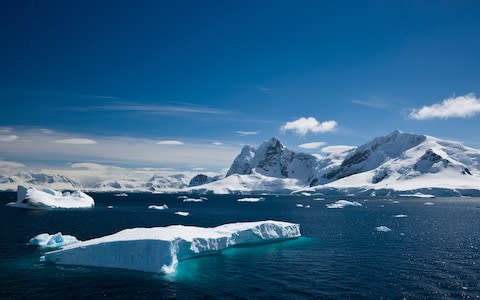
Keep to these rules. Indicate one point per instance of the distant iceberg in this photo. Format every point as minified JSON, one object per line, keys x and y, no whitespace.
{"x":47,"y":198}
{"x":182,"y":213}
{"x":121,"y":195}
{"x":383,"y":229}
{"x":51,"y":241}
{"x":159,"y":249}
{"x":193,"y":199}
{"x":250,"y":199}
{"x":159,"y":207}
{"x":343,"y":203}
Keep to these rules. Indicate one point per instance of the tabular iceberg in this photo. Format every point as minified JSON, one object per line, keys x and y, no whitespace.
{"x":159,"y":249}
{"x":48,"y":198}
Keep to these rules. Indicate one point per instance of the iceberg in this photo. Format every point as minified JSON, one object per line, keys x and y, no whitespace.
{"x":47,"y":198}
{"x":192,"y":200}
{"x":45,"y":240}
{"x":121,"y":195}
{"x":429,"y":203}
{"x":343,"y":203}
{"x":182,"y":213}
{"x":383,"y":229}
{"x":250,"y":199}
{"x":160,"y":249}
{"x":400,"y":216}
{"x":159,"y":207}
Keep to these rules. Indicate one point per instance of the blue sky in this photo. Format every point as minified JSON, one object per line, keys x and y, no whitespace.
{"x":213,"y":76}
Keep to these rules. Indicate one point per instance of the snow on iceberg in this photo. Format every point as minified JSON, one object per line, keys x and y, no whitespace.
{"x":192,"y":200}
{"x":159,"y":249}
{"x":47,"y":198}
{"x":159,"y":207}
{"x":56,"y":240}
{"x":250,"y":199}
{"x":343,"y":203}
{"x":383,"y":229}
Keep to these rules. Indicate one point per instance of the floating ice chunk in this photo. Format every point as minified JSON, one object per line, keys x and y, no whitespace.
{"x":250,"y":199}
{"x":343,"y":203}
{"x":299,"y":205}
{"x":307,"y":206}
{"x":159,"y":249}
{"x":182,"y":197}
{"x":182,"y":213}
{"x":110,"y":206}
{"x":417,"y":195}
{"x":383,"y":229}
{"x":50,"y":199}
{"x":160,"y":207}
{"x":306,"y":194}
{"x":193,"y":200}
{"x":400,"y":216}
{"x":395,"y":202}
{"x":121,"y":195}
{"x":56,"y":240}
{"x":429,"y":203}
{"x":318,"y":199}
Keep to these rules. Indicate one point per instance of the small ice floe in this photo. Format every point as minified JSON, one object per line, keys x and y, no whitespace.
{"x":417,"y":195}
{"x":428,"y":203}
{"x":192,"y":200}
{"x":182,"y":213}
{"x":45,"y":240}
{"x":395,"y":202}
{"x":307,"y":206}
{"x":159,"y":207}
{"x":121,"y":195}
{"x":400,"y":216}
{"x":318,"y":199}
{"x":305,"y":194}
{"x":182,"y":197}
{"x":383,"y":229}
{"x":343,"y":203}
{"x":110,"y":206}
{"x":250,"y":199}
{"x":299,"y":205}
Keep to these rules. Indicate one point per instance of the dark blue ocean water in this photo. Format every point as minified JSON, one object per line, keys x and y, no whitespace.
{"x":433,"y":253}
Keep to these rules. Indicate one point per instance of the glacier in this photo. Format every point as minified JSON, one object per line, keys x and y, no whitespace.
{"x":50,"y":241}
{"x":160,"y":249}
{"x":47,"y":198}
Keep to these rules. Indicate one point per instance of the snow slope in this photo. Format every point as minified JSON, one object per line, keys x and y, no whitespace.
{"x":159,"y":249}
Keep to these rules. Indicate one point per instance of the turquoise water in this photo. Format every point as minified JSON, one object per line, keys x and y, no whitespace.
{"x":432,"y":253}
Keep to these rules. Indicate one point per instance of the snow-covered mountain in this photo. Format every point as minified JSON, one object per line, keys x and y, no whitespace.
{"x":397,"y":162}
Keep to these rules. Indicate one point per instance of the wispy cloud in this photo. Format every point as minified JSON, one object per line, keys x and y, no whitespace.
{"x":170,"y":142}
{"x":217,"y":143}
{"x":302,"y":126}
{"x":337,"y":149}
{"x":75,"y":141}
{"x":153,"y":109}
{"x":456,"y":107}
{"x":245,"y":133}
{"x":312,"y":145}
{"x":8,"y":138}
{"x":372,"y":103}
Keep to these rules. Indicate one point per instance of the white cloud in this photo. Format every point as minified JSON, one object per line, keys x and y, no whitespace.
{"x":456,"y":107}
{"x":75,"y":141}
{"x":217,"y":143}
{"x":337,"y":149}
{"x":245,"y":133}
{"x":372,"y":103}
{"x":312,"y":145}
{"x":5,"y":129}
{"x":304,"y":125}
{"x":8,"y":138}
{"x":198,"y":169}
{"x":170,"y":142}
{"x":155,"y":109}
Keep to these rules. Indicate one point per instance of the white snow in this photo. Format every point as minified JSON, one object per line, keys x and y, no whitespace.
{"x":343,"y":203}
{"x":56,"y":240}
{"x":159,"y":249}
{"x":50,"y":199}
{"x":159,"y":207}
{"x":306,"y":194}
{"x":383,"y":229}
{"x":400,"y":216}
{"x":250,"y":199}
{"x":182,"y":213}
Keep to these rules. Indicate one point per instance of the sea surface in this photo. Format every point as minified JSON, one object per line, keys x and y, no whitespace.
{"x":432,"y":253}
